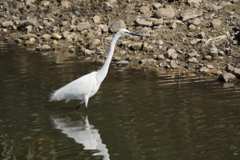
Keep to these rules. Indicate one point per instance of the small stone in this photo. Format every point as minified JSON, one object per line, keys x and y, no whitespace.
{"x":229,"y":68}
{"x":172,"y":54}
{"x":196,"y":21}
{"x":88,"y":52}
{"x":94,"y":44}
{"x":236,"y":72}
{"x":167,"y":12}
{"x":65,"y":4}
{"x":126,"y":43}
{"x":96,"y":19}
{"x":192,"y":13}
{"x":64,"y":23}
{"x":143,"y":22}
{"x":43,"y":48}
{"x":227,"y":77}
{"x":122,"y":63}
{"x":204,"y":69}
{"x":216,"y":23}
{"x":7,"y":24}
{"x":160,"y":57}
{"x":173,"y":64}
{"x":192,"y":27}
{"x":56,"y":36}
{"x":144,"y":9}
{"x":192,"y":60}
{"x":156,"y":5}
{"x":148,"y":61}
{"x":158,"y":22}
{"x":193,"y":54}
{"x":46,"y":36}
{"x":137,"y":45}
{"x":201,"y":35}
{"x":214,"y":52}
{"x":194,"y":41}
{"x":210,"y":66}
{"x":83,"y":25}
{"x":194,"y":1}
{"x":116,"y":26}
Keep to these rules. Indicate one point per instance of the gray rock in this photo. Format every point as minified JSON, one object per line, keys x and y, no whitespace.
{"x":83,"y":25}
{"x":123,"y":62}
{"x":46,"y":36}
{"x":194,"y":1}
{"x":116,"y":26}
{"x":194,"y":41}
{"x":214,"y":51}
{"x":28,"y":36}
{"x":165,"y":13}
{"x":94,"y":44}
{"x":192,"y":13}
{"x":30,"y":21}
{"x":229,"y":68}
{"x":210,"y":66}
{"x":56,"y":36}
{"x":216,"y":23}
{"x":143,"y":22}
{"x":137,"y":45}
{"x":196,"y":21}
{"x":227,"y":77}
{"x":43,"y":48}
{"x":192,"y":27}
{"x":201,"y":35}
{"x":174,"y":64}
{"x":156,"y":5}
{"x":204,"y":69}
{"x":214,"y":7}
{"x":192,"y":60}
{"x":236,"y":72}
{"x":65,"y":4}
{"x":193,"y":54}
{"x":158,"y":22}
{"x":7,"y":24}
{"x":148,"y":61}
{"x":172,"y":54}
{"x":144,"y":9}
{"x":96,"y":19}
{"x":28,"y":2}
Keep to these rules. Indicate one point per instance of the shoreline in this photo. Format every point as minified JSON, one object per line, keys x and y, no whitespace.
{"x":191,"y":36}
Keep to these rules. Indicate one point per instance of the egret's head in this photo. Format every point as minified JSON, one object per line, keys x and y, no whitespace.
{"x":124,"y":32}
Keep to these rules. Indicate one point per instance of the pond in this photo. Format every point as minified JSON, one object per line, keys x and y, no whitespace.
{"x":135,"y":115}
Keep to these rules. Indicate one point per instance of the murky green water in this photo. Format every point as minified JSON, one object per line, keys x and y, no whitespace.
{"x":134,"y":116}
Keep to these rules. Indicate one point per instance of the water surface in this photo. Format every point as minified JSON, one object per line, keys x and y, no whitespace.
{"x":135,"y":115}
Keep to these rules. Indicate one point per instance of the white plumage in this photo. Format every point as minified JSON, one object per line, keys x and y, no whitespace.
{"x":86,"y":86}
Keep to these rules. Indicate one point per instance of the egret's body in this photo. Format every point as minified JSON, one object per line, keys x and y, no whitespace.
{"x":86,"y":86}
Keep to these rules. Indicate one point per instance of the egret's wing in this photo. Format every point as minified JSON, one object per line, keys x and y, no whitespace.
{"x":76,"y":89}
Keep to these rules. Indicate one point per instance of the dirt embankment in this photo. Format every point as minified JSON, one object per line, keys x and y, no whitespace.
{"x":186,"y":36}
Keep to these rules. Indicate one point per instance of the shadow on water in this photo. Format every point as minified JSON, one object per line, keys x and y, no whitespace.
{"x":140,"y":115}
{"x":83,"y":133}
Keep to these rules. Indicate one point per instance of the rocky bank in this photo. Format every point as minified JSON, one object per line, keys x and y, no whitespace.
{"x":183,"y":36}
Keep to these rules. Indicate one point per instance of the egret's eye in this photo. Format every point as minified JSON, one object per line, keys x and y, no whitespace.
{"x":126,"y":32}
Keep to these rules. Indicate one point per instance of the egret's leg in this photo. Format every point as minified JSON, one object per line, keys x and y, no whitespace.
{"x":79,"y":105}
{"x":86,"y":103}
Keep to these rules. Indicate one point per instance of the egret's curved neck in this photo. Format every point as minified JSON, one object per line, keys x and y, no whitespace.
{"x":101,"y":74}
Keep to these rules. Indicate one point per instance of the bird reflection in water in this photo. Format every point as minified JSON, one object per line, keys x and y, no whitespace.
{"x":83,"y":133}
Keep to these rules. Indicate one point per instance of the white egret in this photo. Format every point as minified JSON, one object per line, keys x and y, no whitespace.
{"x":86,"y":86}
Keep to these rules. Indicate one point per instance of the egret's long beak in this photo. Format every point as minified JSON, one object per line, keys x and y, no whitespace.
{"x":135,"y":34}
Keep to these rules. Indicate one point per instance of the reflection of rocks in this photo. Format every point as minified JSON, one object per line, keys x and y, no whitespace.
{"x":83,"y":133}
{"x":60,"y":57}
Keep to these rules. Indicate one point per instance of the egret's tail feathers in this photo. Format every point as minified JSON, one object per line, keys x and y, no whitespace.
{"x":58,"y":95}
